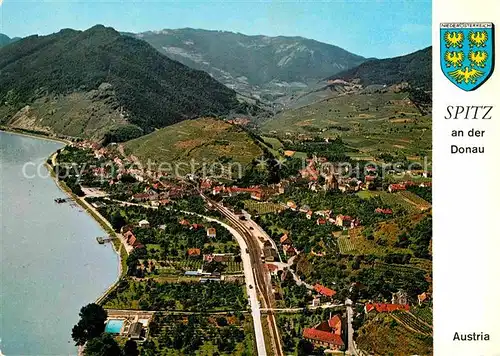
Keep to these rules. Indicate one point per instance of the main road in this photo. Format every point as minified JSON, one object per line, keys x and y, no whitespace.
{"x":262,"y":277}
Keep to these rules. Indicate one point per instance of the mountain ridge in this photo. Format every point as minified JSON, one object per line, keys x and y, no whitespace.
{"x":5,"y":40}
{"x":265,"y":65}
{"x":414,"y":68}
{"x":132,"y":80}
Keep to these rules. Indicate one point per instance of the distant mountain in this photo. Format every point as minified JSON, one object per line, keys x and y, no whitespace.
{"x":414,"y":68}
{"x":5,"y":40}
{"x":253,"y":64}
{"x":86,"y":83}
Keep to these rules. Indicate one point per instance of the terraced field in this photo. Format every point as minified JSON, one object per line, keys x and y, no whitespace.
{"x":194,"y":146}
{"x":396,"y":200}
{"x":371,"y":122}
{"x":411,"y":322}
{"x":423,"y":313}
{"x":262,"y":208}
{"x":416,"y":200}
{"x":346,"y":246}
{"x":384,"y":335}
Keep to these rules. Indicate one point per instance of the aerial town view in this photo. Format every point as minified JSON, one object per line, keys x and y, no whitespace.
{"x":232,"y":190}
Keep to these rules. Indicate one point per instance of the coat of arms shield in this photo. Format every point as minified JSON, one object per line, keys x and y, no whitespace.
{"x":467,"y":53}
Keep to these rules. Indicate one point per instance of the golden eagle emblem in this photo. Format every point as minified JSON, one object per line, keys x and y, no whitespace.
{"x":466,"y":75}
{"x":478,"y":38}
{"x":478,"y":58}
{"x":454,"y":58}
{"x":454,"y":39}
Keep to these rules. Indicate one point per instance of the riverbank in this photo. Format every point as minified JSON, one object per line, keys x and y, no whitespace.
{"x":117,"y":244}
{"x":27,"y":133}
{"x":49,"y":251}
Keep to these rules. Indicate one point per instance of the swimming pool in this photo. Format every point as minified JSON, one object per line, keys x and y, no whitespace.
{"x":114,"y":326}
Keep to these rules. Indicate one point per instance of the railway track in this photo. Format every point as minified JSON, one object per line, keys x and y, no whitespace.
{"x":261,"y":276}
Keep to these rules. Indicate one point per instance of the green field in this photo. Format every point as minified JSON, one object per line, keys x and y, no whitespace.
{"x":346,"y":246}
{"x":371,"y":123}
{"x":201,"y":141}
{"x":410,"y":202}
{"x":262,"y":208}
{"x":218,"y":334}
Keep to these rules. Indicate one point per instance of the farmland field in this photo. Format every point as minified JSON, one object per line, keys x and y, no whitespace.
{"x":411,"y":322}
{"x":371,"y":123}
{"x":423,"y":313}
{"x":345,"y":246}
{"x":394,"y":200}
{"x":262,"y":208}
{"x":217,"y":334}
{"x":363,"y":246}
{"x":201,"y":141}
{"x":416,"y":200}
{"x":386,"y":336}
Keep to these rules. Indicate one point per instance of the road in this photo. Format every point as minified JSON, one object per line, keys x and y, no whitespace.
{"x":262,"y":277}
{"x":350,"y":331}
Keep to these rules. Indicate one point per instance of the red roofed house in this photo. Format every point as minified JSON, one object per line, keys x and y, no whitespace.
{"x":385,"y":308}
{"x":325,"y":291}
{"x":336,"y":324}
{"x":285,"y":240}
{"x":257,"y":194}
{"x":369,"y":179}
{"x":196,"y":226}
{"x":343,"y":220}
{"x":184,"y":222}
{"x":383,"y":211}
{"x":289,"y":250}
{"x":396,"y":187}
{"x":326,"y":334}
{"x":422,"y":298}
{"x":271,"y":268}
{"x":194,"y":252}
{"x":320,"y":221}
{"x":132,"y":240}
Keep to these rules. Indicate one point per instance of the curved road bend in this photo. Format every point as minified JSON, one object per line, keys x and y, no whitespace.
{"x":261,"y":276}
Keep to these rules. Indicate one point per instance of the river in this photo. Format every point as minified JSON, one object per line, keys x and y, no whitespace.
{"x":51,"y":264}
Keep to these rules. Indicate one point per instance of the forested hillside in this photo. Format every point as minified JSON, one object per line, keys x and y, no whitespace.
{"x":142,"y":86}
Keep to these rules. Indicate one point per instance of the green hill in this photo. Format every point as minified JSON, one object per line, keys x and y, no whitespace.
{"x":254,"y":65}
{"x":204,"y":140}
{"x":414,"y":68}
{"x":88,"y":82}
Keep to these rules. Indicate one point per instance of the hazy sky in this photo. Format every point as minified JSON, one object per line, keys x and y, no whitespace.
{"x":371,"y":28}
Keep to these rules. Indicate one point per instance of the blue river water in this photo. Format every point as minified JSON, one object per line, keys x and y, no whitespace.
{"x":51,"y":264}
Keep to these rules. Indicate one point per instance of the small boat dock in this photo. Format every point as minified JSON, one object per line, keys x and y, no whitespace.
{"x":103,"y":239}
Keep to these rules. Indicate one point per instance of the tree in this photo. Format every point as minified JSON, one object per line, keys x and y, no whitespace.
{"x":103,"y":345}
{"x":91,"y":324}
{"x":130,"y":348}
{"x":304,"y":347}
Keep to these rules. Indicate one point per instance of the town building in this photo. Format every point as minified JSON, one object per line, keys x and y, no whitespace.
{"x":385,"y":308}
{"x":324,"y":291}
{"x":211,"y":232}
{"x":327,"y":334}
